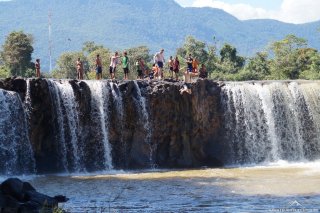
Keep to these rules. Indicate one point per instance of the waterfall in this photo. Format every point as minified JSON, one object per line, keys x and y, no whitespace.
{"x":57,"y":110}
{"x":142,"y":106}
{"x":68,"y":124}
{"x":118,"y":105}
{"x":271,"y":121}
{"x":15,"y":148}
{"x":100,"y":100}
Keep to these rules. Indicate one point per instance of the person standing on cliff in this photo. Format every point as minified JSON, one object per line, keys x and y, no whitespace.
{"x":176,"y":67}
{"x":125,"y":65}
{"x":159,"y":60}
{"x":203,"y":72}
{"x":170,"y":64}
{"x":79,"y":69}
{"x":114,"y":61}
{"x":98,"y":68}
{"x":37,"y":67}
{"x":189,"y":61}
{"x":195,"y":64}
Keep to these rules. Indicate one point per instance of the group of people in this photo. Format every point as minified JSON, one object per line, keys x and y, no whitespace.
{"x":191,"y":70}
{"x":156,"y":72}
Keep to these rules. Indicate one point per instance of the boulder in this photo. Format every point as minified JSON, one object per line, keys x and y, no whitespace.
{"x":19,"y":196}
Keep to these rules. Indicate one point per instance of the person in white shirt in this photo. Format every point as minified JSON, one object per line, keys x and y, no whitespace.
{"x":114,"y":61}
{"x":159,"y":60}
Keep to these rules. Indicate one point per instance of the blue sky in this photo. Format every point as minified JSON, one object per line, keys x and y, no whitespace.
{"x":290,"y":11}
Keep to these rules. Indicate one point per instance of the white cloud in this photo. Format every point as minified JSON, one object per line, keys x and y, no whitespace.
{"x":291,"y":11}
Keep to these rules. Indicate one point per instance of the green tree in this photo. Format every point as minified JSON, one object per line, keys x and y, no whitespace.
{"x":194,"y":47}
{"x":4,"y":72}
{"x":66,"y":65}
{"x":17,"y":51}
{"x":286,"y":53}
{"x":90,"y":46}
{"x":212,"y":60}
{"x":230,"y":62}
{"x":105,"y":55}
{"x":257,"y":68}
{"x":135,"y":53}
{"x":312,"y":69}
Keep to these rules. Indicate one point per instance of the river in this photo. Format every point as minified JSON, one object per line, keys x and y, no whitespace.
{"x":277,"y":187}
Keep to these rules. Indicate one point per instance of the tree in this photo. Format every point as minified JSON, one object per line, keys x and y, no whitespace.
{"x":90,"y":46}
{"x":66,"y":65}
{"x":17,"y":51}
{"x":257,"y":68}
{"x":105,"y":55}
{"x":286,"y":52}
{"x":311,"y":70}
{"x":135,"y":53}
{"x":212,"y":59}
{"x":194,"y":47}
{"x":230,"y":62}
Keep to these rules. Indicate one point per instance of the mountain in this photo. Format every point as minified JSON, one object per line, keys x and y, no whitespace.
{"x":119,"y":24}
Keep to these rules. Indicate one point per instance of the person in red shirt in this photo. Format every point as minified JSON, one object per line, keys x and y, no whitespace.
{"x":176,"y":67}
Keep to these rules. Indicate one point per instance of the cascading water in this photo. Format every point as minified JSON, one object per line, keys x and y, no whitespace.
{"x":59,"y":123}
{"x":65,"y":107}
{"x":100,"y":100}
{"x":142,"y":106}
{"x":72,"y":123}
{"x":118,"y":104}
{"x":271,"y":121}
{"x":15,"y":148}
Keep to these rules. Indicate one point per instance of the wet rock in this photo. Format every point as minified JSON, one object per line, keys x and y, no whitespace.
{"x":184,"y":127}
{"x":19,"y":196}
{"x":181,"y":130}
{"x":16,"y":84}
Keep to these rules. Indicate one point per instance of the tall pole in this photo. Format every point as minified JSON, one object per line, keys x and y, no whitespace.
{"x":50,"y":41}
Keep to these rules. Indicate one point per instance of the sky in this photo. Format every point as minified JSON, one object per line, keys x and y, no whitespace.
{"x":290,"y":11}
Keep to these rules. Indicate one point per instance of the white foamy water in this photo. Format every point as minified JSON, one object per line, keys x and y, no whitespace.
{"x":144,"y":113}
{"x":100,"y":98}
{"x":271,"y":121}
{"x":15,"y":148}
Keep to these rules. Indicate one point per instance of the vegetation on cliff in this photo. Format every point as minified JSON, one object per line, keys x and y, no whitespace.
{"x":288,"y":58}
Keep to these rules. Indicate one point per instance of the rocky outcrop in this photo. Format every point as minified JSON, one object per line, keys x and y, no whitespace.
{"x":18,"y":196}
{"x":157,"y":126}
{"x":18,"y":85}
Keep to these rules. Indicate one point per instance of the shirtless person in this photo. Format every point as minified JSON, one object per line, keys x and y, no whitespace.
{"x":187,"y":83}
{"x":98,"y":68}
{"x":37,"y":66}
{"x":79,"y":69}
{"x":159,"y":60}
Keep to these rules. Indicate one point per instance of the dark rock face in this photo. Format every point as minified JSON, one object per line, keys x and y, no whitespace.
{"x":18,"y":196}
{"x":18,"y":85}
{"x":184,"y":127}
{"x":156,"y":127}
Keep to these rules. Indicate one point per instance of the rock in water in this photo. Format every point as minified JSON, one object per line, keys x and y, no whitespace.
{"x":19,"y":196}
